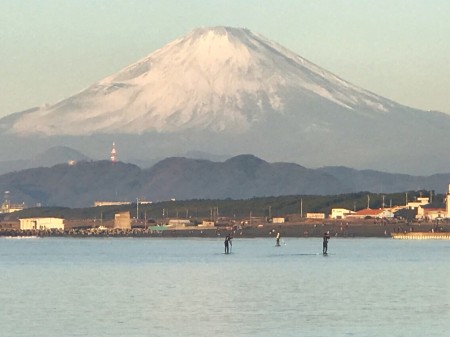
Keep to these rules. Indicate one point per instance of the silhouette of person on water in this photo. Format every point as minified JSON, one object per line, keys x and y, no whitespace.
{"x":326,"y":237}
{"x":278,"y":239}
{"x":228,"y":244}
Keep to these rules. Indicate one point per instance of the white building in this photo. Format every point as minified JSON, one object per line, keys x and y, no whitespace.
{"x":419,"y":202}
{"x":122,"y":220}
{"x":315,"y":216}
{"x":430,"y":213}
{"x":207,"y":223}
{"x":110,"y":203}
{"x":371,"y":213}
{"x":179,"y":223}
{"x":447,"y":203}
{"x":41,"y":223}
{"x":340,"y":213}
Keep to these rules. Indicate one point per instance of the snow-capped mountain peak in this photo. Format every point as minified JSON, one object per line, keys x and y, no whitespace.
{"x":218,"y":79}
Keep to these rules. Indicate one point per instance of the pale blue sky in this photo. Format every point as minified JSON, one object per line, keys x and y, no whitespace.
{"x":51,"y":49}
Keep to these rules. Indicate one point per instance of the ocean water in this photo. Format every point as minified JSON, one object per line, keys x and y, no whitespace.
{"x":189,"y":287}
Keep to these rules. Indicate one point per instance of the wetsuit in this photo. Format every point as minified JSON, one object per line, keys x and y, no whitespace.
{"x":326,"y":237}
{"x":227,"y":245}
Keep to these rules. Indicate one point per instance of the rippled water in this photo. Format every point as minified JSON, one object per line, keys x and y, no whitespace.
{"x":188,"y":287}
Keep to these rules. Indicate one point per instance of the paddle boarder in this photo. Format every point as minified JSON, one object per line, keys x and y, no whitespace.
{"x":228,"y":244}
{"x":278,"y":239}
{"x":326,"y":237}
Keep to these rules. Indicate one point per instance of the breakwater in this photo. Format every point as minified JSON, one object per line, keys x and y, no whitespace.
{"x":421,"y":236}
{"x":269,"y":230}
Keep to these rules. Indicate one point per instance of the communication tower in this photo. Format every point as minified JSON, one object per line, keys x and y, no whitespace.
{"x":113,"y":153}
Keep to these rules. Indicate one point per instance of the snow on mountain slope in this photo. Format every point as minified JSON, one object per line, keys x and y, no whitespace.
{"x":216,"y":79}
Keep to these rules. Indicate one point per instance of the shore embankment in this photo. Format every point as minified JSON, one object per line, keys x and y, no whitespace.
{"x":336,"y":229}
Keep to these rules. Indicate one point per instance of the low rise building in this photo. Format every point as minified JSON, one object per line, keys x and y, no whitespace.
{"x":122,"y":220}
{"x":41,"y":223}
{"x":179,"y":223}
{"x":9,"y":224}
{"x":207,"y":223}
{"x":371,"y":213}
{"x":420,"y":201}
{"x":431,"y":211}
{"x":340,"y":213}
{"x":319,"y":216}
{"x":111,"y":203}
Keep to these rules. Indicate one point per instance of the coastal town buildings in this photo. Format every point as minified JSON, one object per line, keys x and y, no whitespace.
{"x":423,"y":207}
{"x":434,"y":210}
{"x":8,"y":207}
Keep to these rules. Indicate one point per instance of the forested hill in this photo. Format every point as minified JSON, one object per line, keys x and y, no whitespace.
{"x":240,"y":177}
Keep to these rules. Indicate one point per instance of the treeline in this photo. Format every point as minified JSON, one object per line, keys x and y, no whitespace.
{"x":214,"y":209}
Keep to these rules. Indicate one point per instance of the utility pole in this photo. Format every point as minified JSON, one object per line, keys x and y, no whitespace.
{"x":270,"y":212}
{"x":301,"y":208}
{"x":137,"y":209}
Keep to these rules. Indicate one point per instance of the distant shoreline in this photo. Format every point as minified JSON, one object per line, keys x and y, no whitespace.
{"x":266,"y":231}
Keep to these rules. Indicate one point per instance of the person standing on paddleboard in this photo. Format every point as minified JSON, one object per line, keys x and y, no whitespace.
{"x":228,"y":244}
{"x":326,"y":237}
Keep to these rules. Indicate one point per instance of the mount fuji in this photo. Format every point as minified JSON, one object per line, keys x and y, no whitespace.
{"x":227,"y":91}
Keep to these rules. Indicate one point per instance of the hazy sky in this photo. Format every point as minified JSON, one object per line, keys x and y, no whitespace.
{"x":51,"y":49}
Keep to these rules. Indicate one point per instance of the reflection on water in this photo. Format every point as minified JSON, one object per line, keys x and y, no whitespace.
{"x":189,"y":287}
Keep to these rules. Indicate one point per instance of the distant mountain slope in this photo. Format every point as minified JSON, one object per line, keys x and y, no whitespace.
{"x":381,"y":182}
{"x":65,"y":185}
{"x":244,"y":176}
{"x":240,"y":177}
{"x":216,"y":79}
{"x":227,"y":91}
{"x":52,"y":156}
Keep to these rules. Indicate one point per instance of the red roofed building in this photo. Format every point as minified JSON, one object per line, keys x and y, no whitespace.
{"x":431,"y":212}
{"x":371,"y":213}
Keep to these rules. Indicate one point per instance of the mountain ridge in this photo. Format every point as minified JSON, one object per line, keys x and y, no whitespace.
{"x":240,"y":177}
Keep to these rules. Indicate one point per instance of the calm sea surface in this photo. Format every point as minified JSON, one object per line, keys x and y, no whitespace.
{"x":188,"y":287}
